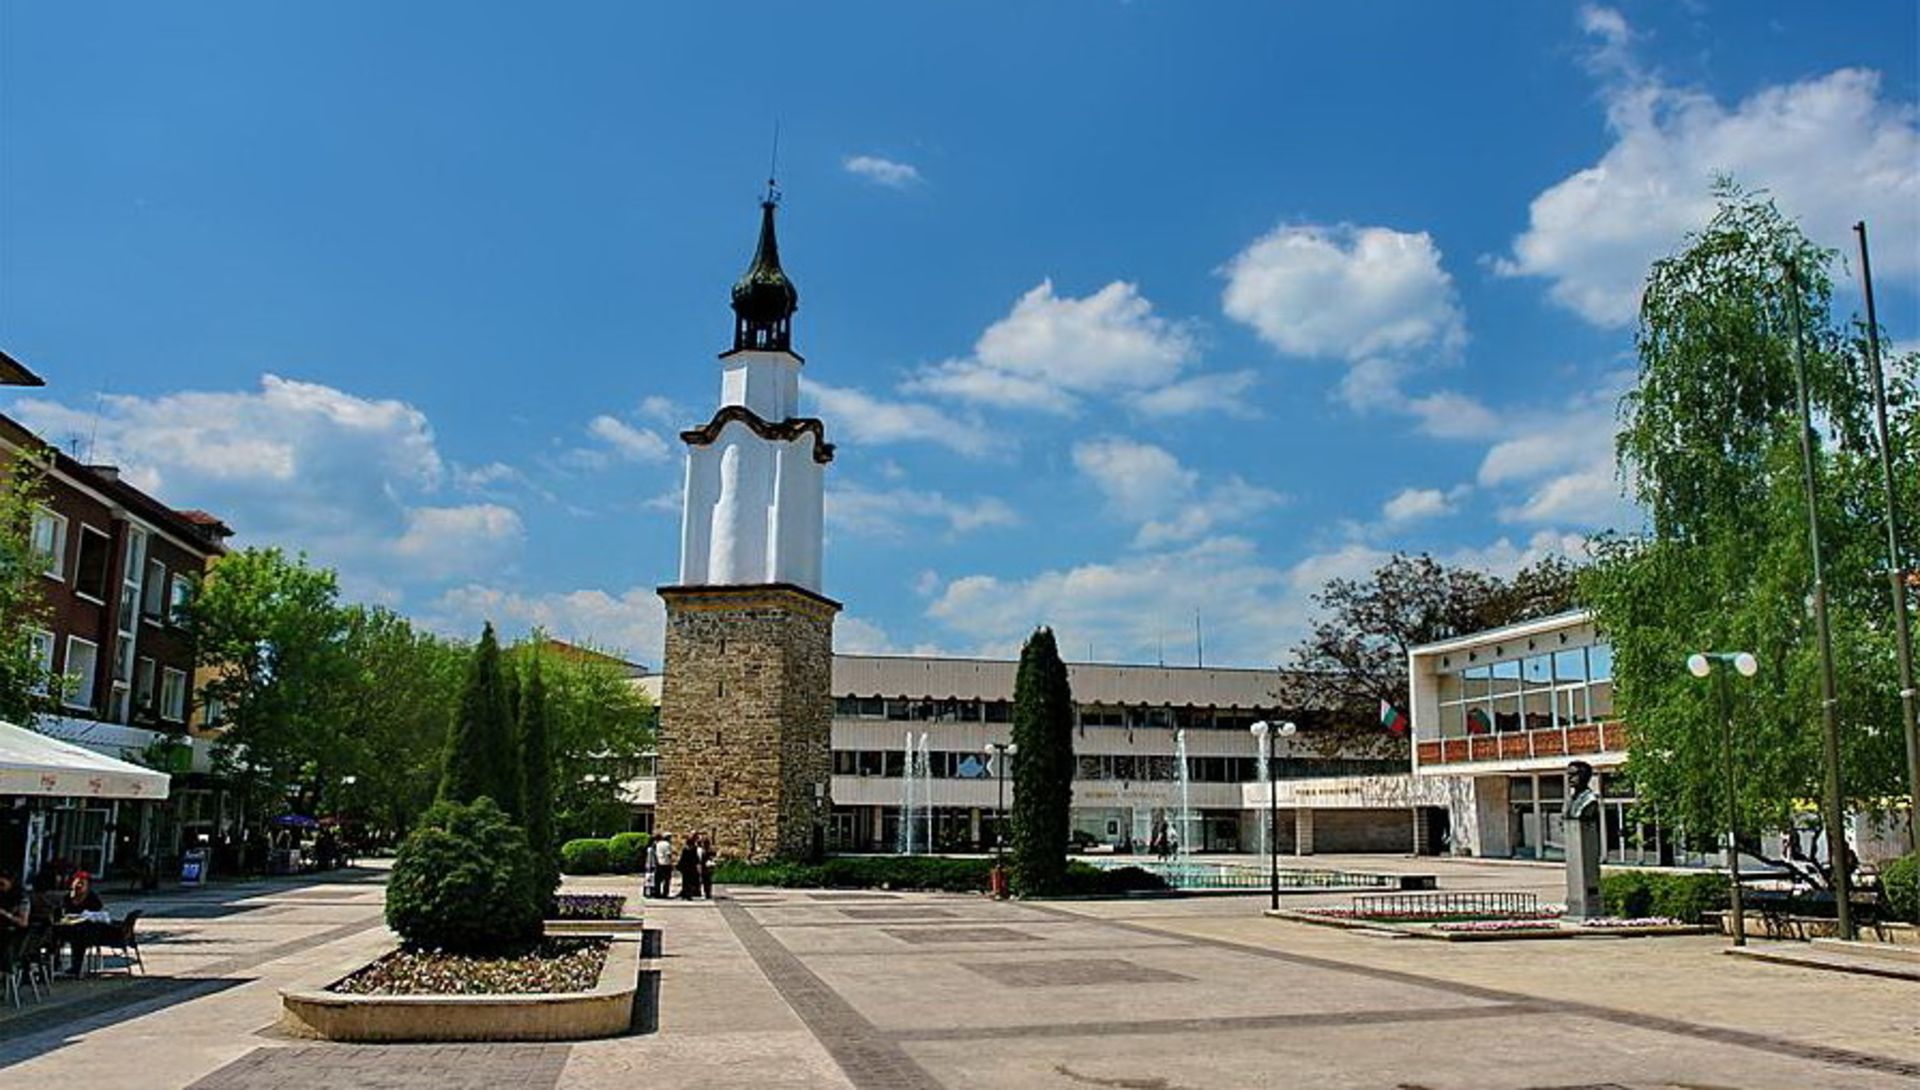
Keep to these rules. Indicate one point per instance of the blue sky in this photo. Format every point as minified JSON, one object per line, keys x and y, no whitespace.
{"x":1119,"y":312}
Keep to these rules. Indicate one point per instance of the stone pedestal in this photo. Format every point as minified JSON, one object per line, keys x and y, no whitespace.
{"x":746,"y":714}
{"x":1584,"y":850}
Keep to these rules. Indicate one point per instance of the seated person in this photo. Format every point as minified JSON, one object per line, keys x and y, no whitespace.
{"x":85,"y":922}
{"x":13,"y":903}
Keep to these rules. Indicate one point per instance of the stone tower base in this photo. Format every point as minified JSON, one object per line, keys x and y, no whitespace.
{"x":746,"y":717}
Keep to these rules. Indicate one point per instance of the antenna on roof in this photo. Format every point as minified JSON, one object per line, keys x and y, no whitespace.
{"x":93,"y":432}
{"x":773,"y":167}
{"x":1199,"y":642}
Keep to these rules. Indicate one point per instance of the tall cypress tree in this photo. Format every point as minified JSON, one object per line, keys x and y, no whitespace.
{"x":536,"y":775}
{"x":1042,"y":768}
{"x":481,"y":757}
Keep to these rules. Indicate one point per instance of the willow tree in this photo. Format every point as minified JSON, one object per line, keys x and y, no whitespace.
{"x":1709,"y":445}
{"x":1042,"y":767}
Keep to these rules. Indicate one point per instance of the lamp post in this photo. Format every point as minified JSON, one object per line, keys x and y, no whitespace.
{"x":1266,"y":732}
{"x":1701,"y":664}
{"x":999,"y":752}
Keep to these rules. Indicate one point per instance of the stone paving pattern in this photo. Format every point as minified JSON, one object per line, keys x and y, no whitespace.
{"x":805,"y":989}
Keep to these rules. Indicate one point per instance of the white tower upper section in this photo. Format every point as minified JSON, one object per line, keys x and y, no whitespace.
{"x":756,"y":471}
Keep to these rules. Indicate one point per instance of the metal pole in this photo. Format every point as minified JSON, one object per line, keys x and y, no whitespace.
{"x":1273,"y":830}
{"x":1000,"y":806}
{"x":1733,"y":800}
{"x":1896,"y":572}
{"x":1829,"y":703}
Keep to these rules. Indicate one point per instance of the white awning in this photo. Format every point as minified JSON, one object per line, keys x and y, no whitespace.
{"x":34,"y":764}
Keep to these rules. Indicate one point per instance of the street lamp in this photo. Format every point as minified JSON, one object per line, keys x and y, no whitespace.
{"x":1266,"y":732}
{"x":1701,"y":664}
{"x":999,"y":752}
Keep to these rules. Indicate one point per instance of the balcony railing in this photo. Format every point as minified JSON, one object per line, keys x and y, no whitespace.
{"x":1572,"y":741}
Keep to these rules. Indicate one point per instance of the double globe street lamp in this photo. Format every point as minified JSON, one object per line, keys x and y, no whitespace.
{"x":1266,"y":732}
{"x":1702,"y":664}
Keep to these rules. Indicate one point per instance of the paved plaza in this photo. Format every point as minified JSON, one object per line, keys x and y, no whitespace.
{"x":792,"y":988}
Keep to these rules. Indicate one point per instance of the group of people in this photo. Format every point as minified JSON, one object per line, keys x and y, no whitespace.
{"x":79,"y":919}
{"x":694,"y":861}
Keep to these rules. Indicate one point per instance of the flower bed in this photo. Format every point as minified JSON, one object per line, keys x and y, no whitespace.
{"x":589,"y":906}
{"x":555,"y":966}
{"x":1550,"y":912}
{"x":1525,"y":924}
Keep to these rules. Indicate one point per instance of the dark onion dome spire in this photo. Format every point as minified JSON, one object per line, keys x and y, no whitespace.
{"x":763,"y":298}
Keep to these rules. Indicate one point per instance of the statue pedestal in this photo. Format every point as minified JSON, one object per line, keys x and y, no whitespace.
{"x":1583,"y":866}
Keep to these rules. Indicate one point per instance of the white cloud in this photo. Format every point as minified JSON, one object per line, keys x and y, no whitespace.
{"x":1556,"y":464}
{"x":632,"y":623}
{"x":1223,"y":393}
{"x":661,"y":411}
{"x":863,"y":418}
{"x":630,"y":443}
{"x":1052,"y":349}
{"x":881,"y":171}
{"x":1831,"y":149}
{"x":350,"y":480}
{"x":1448,"y":414}
{"x":1415,"y":504}
{"x":1146,"y":486}
{"x":888,"y":513}
{"x":859,"y":636}
{"x":443,"y":542}
{"x":1344,"y":292}
{"x":1130,"y":608}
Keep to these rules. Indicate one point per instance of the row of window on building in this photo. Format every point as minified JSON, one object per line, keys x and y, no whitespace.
{"x":1001,"y":711}
{"x":1532,"y":692}
{"x":1150,"y":768}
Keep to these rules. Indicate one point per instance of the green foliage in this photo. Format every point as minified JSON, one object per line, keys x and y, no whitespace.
{"x":1900,"y":880}
{"x":626,"y":853}
{"x":598,"y":725}
{"x":587,"y":855}
{"x":273,"y":633}
{"x":464,"y":881}
{"x":482,"y":759}
{"x":925,"y":872}
{"x":1087,"y":880}
{"x":1356,"y":655}
{"x":1631,"y":894}
{"x":1043,"y":768}
{"x":1710,"y":447}
{"x":397,"y":703}
{"x":536,"y":774}
{"x":24,"y":683}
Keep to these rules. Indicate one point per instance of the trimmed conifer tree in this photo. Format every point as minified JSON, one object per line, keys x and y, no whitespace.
{"x":482,"y":757}
{"x":536,"y":776}
{"x":1042,"y":767}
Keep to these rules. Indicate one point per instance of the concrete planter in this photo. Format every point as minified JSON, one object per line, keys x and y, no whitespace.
{"x":624,"y":925}
{"x":626,"y":998}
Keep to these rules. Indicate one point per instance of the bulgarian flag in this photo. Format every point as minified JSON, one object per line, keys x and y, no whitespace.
{"x":1477,"y":722}
{"x":1393,"y":718}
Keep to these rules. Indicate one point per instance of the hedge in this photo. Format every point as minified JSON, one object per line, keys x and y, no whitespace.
{"x":1900,"y":879}
{"x":587,"y":856}
{"x":626,"y":853}
{"x":1632,"y":894}
{"x":920,"y":872}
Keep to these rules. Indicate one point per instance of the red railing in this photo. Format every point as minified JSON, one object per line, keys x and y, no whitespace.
{"x":1524,"y":745}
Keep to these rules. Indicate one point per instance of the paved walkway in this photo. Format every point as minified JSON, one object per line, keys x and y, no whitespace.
{"x":819,"y":989}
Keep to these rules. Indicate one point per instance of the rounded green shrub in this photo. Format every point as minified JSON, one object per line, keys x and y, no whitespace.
{"x":465,"y":881}
{"x":584,"y":856}
{"x":1900,"y":879}
{"x":1627,"y":894}
{"x":626,"y":853}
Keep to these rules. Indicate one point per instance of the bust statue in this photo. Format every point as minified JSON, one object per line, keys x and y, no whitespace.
{"x":1582,"y":799}
{"x":1581,"y":824}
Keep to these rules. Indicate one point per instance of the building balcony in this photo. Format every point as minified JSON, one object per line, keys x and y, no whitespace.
{"x":1549,"y":744}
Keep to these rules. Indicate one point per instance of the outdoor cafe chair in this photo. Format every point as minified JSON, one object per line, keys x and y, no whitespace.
{"x":123,"y":942}
{"x":13,"y":960}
